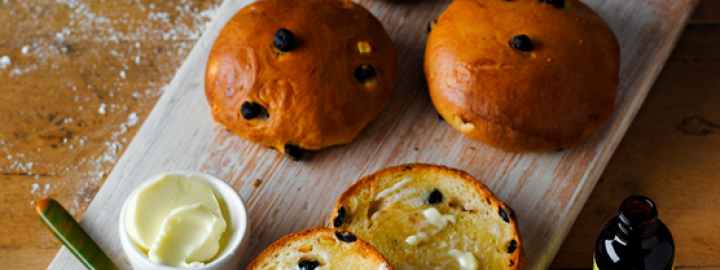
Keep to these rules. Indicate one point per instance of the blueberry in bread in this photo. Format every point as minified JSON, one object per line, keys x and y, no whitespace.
{"x":522,"y":75}
{"x":320,"y":249}
{"x":423,"y":216}
{"x":299,"y":76}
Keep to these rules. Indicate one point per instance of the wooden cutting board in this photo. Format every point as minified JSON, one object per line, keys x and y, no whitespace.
{"x":546,"y":190}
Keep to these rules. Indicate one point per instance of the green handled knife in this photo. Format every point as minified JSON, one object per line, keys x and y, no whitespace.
{"x":69,"y":232}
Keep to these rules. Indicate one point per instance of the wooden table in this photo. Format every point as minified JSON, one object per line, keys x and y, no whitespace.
{"x":83,"y":75}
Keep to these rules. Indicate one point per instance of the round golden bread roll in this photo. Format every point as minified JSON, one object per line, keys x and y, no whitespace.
{"x":317,"y":249}
{"x":300,"y":75}
{"x":522,"y":75}
{"x":422,"y":216}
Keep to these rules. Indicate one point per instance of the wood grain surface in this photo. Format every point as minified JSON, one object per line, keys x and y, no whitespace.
{"x":685,"y":189}
{"x":546,"y":190}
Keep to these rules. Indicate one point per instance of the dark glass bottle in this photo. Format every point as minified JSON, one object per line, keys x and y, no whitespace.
{"x":635,"y":239}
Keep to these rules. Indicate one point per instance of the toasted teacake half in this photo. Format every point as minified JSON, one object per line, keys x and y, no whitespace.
{"x":320,"y":248}
{"x":422,"y":216}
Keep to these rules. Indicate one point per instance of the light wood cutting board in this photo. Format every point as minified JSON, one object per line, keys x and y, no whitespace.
{"x":546,"y":190}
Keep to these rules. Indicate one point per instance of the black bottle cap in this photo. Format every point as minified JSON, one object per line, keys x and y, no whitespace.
{"x":637,"y":214}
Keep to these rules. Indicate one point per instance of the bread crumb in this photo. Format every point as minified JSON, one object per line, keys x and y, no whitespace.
{"x":257,"y":183}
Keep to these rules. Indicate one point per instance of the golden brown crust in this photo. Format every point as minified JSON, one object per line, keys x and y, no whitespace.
{"x":310,"y":93}
{"x":552,"y":97}
{"x":370,"y":180}
{"x":366,"y":249}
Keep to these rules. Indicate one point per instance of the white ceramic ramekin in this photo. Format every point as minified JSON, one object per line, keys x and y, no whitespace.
{"x":229,"y":257}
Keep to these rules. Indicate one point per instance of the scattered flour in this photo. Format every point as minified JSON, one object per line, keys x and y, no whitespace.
{"x":84,"y":23}
{"x":102,"y":109}
{"x":5,"y":62}
{"x":38,"y":190}
{"x":19,"y":166}
{"x":132,"y":119}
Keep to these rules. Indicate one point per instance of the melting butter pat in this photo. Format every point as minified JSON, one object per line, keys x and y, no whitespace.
{"x":465,"y":260}
{"x":416,"y":238}
{"x":176,"y":220}
{"x":434,"y":217}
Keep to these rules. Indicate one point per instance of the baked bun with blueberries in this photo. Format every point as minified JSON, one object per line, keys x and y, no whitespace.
{"x":423,"y":216}
{"x":522,"y":75}
{"x":300,"y":75}
{"x":320,"y":248}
